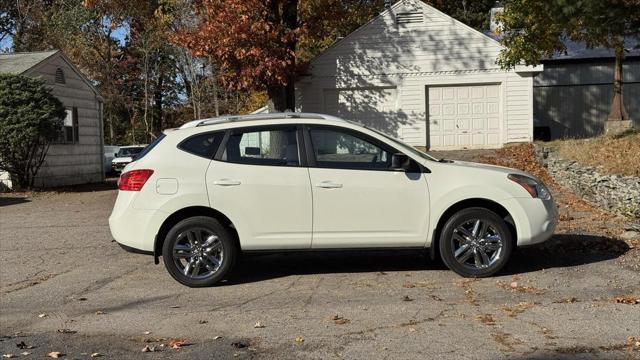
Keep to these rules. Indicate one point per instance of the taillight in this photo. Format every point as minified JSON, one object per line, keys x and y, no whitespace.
{"x":134,"y":180}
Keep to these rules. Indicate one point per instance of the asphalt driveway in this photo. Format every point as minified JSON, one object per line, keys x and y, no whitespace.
{"x":66,"y":287}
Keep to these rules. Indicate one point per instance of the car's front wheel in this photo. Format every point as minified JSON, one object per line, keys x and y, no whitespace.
{"x":475,"y":242}
{"x":198,"y":251}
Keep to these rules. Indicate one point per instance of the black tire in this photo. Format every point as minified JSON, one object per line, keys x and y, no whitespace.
{"x":199,"y":226}
{"x":454,"y":238}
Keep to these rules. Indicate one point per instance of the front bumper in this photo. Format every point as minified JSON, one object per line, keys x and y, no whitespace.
{"x":535,"y":219}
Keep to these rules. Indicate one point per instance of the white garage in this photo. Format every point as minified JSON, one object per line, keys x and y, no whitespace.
{"x":424,"y":77}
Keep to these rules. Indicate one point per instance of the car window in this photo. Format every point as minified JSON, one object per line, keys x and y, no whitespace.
{"x":123,"y":152}
{"x":204,"y":145}
{"x":340,"y":149}
{"x":275,"y":147}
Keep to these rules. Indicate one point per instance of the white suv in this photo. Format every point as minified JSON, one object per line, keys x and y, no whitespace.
{"x":201,"y":194}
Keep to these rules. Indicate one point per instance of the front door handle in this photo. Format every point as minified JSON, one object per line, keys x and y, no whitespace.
{"x":329,"y":185}
{"x":226,"y":182}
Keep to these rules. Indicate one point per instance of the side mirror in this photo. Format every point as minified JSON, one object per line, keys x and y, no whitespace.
{"x":400,"y":161}
{"x":115,"y":154}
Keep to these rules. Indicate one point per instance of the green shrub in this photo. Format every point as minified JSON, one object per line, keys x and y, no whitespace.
{"x":30,"y":119}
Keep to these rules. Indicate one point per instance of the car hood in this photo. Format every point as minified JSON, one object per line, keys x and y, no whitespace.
{"x":472,"y":167}
{"x":123,"y":159}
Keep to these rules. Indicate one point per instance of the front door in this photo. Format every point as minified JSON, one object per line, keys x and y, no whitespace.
{"x":358,"y":200}
{"x":259,"y":182}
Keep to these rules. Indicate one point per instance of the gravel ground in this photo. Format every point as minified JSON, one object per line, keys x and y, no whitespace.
{"x":66,"y":287}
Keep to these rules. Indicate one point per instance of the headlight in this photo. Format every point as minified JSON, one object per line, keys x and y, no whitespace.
{"x":534,"y":188}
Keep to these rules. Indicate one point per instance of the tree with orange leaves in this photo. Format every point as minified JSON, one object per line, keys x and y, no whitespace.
{"x":254,"y":42}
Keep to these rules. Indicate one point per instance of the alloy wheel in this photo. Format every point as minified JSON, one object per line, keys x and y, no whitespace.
{"x":198,"y":253}
{"x":477,"y":244}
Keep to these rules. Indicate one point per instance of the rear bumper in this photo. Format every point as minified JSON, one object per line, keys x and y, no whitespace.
{"x":134,"y":229}
{"x":535,"y":219}
{"x":135,"y":251}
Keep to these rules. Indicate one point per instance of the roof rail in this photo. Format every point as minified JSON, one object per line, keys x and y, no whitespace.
{"x":234,"y":118}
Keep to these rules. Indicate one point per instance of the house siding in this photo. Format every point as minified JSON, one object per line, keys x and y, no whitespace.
{"x":81,"y":162}
{"x":574,"y":98}
{"x":410,"y":58}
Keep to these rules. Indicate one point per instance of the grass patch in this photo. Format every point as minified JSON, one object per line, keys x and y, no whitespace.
{"x":617,"y":155}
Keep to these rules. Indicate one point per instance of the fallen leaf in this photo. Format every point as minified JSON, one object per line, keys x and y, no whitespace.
{"x":408,"y":285}
{"x":42,"y":315}
{"x":624,"y":299}
{"x":95,"y":355}
{"x":569,"y":300}
{"x":407,"y":298}
{"x":258,"y":325}
{"x":412,"y":329}
{"x":201,"y":322}
{"x":100,"y":312}
{"x":22,"y":345}
{"x":300,"y":339}
{"x":147,"y":332}
{"x":55,"y":354}
{"x":239,"y":344}
{"x":486,"y":319}
{"x":217,"y":337}
{"x":25,"y":353}
{"x":177,"y":343}
{"x":146,"y":349}
{"x":338,"y":320}
{"x":175,"y":306}
{"x":8,"y":356}
{"x":514,"y":285}
{"x":66,"y":331}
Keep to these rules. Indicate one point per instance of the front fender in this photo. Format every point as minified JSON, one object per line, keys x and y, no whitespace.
{"x":444,"y":200}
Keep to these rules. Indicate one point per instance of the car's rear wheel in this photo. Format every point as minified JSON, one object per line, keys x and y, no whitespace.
{"x":475,"y":242}
{"x":198,"y":251}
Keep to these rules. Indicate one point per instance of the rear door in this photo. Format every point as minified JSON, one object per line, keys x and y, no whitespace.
{"x":257,"y":179}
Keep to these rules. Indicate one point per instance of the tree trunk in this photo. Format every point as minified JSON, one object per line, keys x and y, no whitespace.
{"x":283,"y":98}
{"x":277,"y":99}
{"x":618,"y":112}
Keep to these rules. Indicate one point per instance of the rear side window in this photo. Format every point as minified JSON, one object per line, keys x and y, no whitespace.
{"x":147,"y":149}
{"x":204,"y":145}
{"x":271,"y":147}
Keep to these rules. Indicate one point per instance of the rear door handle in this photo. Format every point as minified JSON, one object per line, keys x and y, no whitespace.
{"x":329,"y":185}
{"x":226,"y":182}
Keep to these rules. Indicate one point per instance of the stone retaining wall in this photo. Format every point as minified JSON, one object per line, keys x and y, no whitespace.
{"x":614,"y":193}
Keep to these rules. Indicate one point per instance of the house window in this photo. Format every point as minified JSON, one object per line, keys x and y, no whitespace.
{"x":70,"y":133}
{"x":60,"y":76}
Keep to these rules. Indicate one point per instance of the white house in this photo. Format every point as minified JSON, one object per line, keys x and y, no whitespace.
{"x":77,"y":156}
{"x":420,"y":74}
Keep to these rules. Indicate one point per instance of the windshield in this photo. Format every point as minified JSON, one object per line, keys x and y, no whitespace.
{"x":124,"y":152}
{"x":405,"y":146}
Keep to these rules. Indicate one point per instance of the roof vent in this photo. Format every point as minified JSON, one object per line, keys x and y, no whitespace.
{"x":414,"y":17}
{"x":60,"y":76}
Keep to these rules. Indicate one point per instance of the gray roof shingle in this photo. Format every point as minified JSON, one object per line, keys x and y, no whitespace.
{"x":18,"y":63}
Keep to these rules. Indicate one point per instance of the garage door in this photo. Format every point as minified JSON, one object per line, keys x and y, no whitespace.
{"x":463,"y":117}
{"x":375,"y":107}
